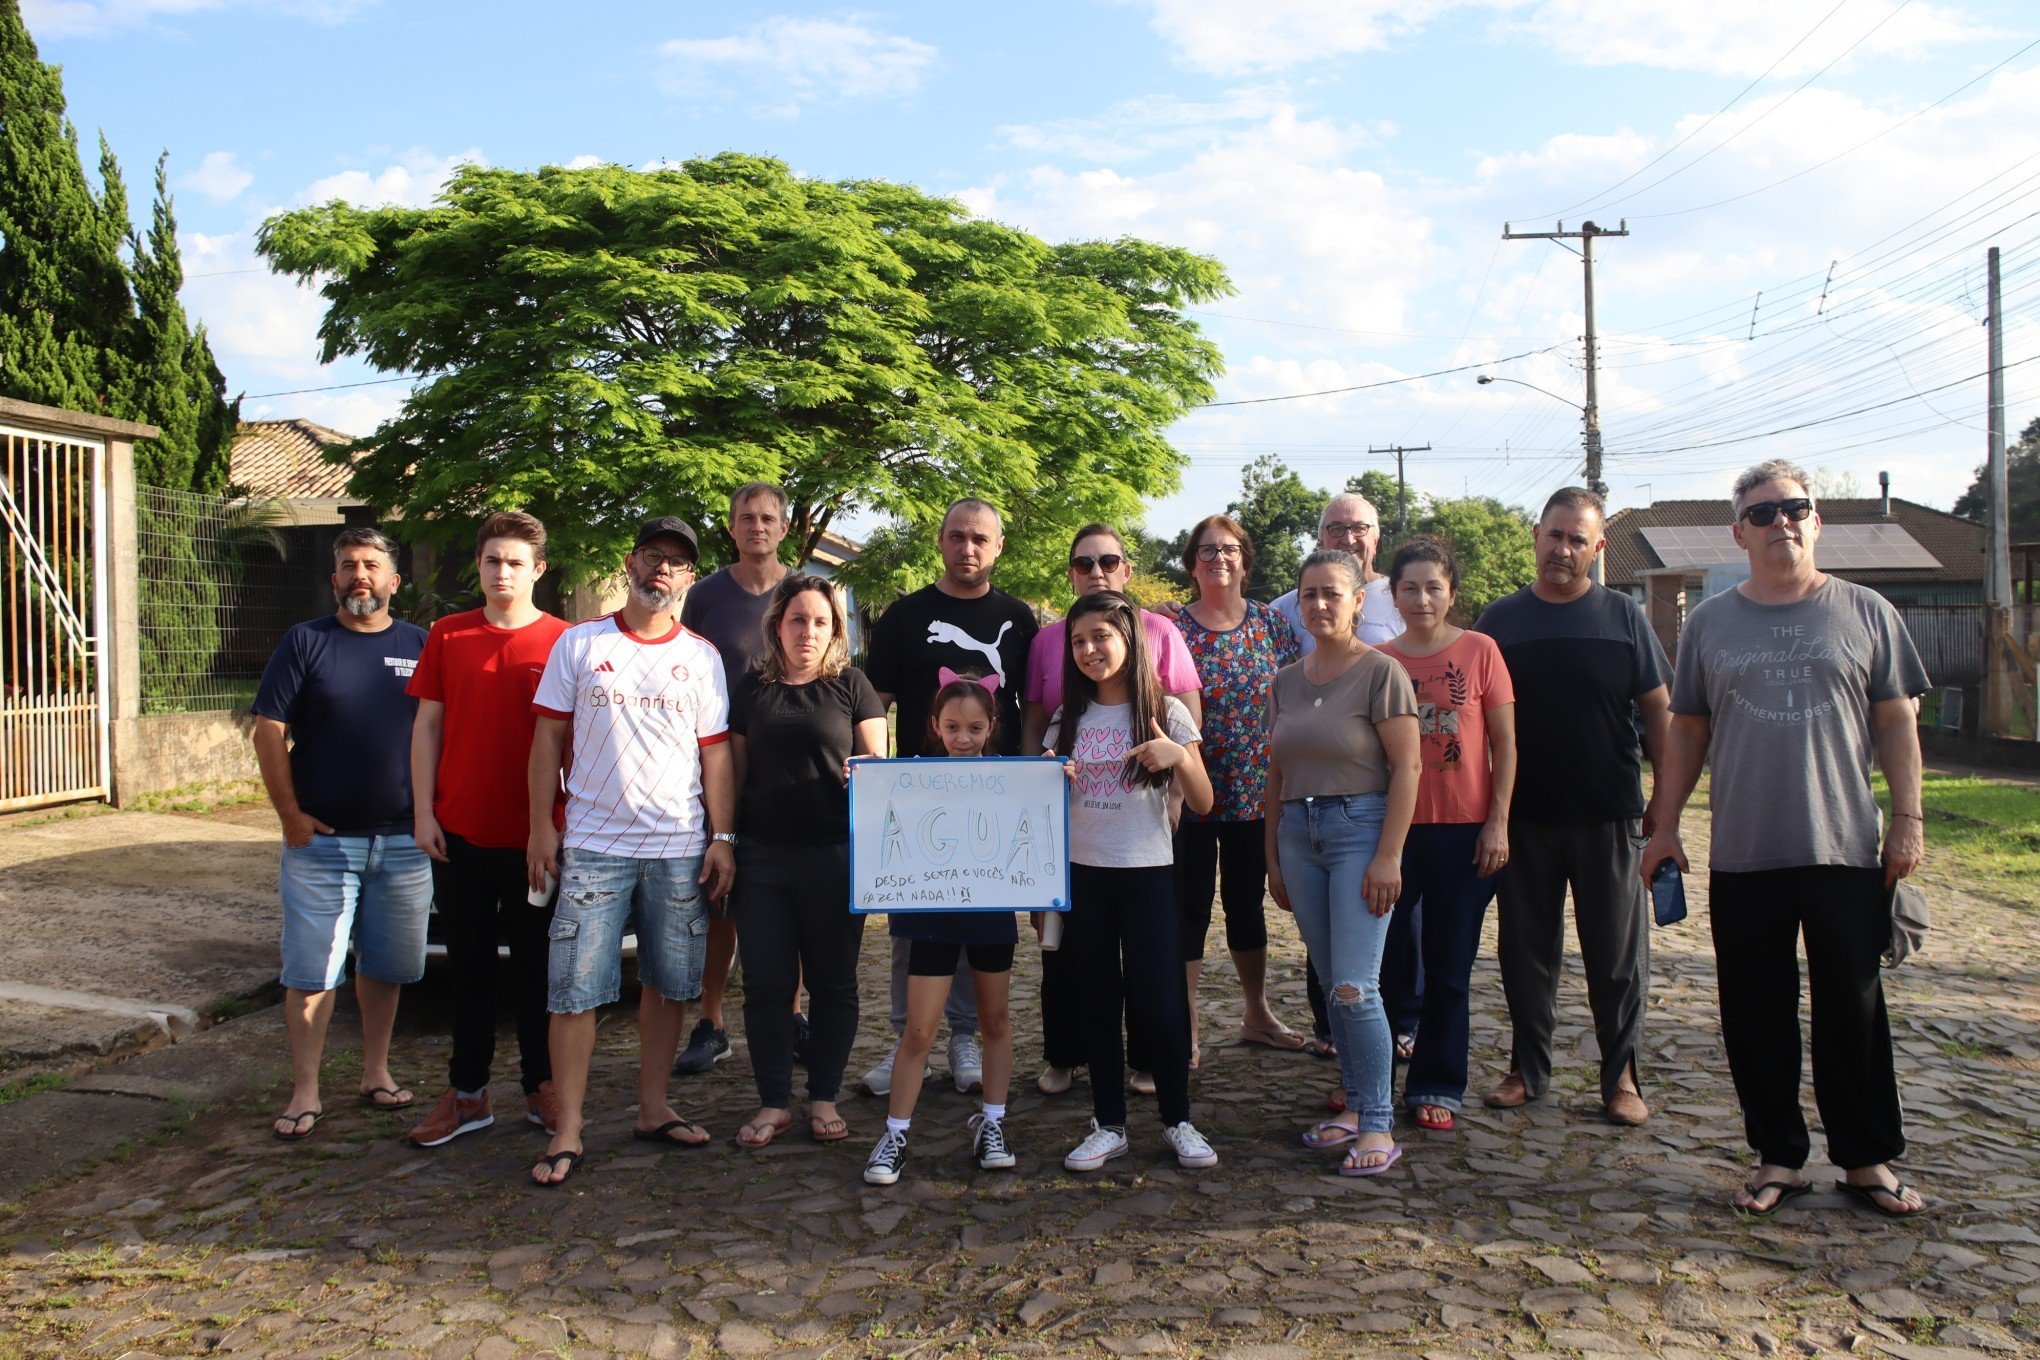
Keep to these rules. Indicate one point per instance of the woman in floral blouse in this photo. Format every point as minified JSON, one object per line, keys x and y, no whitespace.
{"x":1238,"y":645}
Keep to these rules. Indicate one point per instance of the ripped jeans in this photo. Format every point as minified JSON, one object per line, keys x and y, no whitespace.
{"x":1324,"y":846}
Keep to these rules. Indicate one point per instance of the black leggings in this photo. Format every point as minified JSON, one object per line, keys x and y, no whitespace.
{"x":1121,"y":935}
{"x":938,"y":958}
{"x":1228,"y":855}
{"x":789,"y":905}
{"x":481,"y":899}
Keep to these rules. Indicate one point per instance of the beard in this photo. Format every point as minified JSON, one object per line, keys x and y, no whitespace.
{"x":653,"y":598}
{"x":364,"y":606}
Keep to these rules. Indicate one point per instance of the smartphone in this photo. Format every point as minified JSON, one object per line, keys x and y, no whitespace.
{"x":1668,"y":892}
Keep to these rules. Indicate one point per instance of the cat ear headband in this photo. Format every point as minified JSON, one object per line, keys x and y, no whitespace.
{"x":950,"y":677}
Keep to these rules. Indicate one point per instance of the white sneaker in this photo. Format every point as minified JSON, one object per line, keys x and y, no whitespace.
{"x":1191,"y":1148}
{"x":883,"y":1166}
{"x":966,"y":1063}
{"x":1098,"y":1148}
{"x":878,"y":1081}
{"x":989,"y":1144}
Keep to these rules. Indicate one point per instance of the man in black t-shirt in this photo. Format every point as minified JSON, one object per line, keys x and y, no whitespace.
{"x":1582,"y":659}
{"x":965,"y":623}
{"x":333,"y":737}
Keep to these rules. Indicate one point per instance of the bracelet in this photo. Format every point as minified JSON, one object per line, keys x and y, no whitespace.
{"x":1913,"y":815}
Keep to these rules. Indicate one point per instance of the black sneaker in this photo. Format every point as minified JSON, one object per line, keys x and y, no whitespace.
{"x":989,"y":1144}
{"x":883,"y":1166}
{"x":706,"y":1047}
{"x":802,"y":1034}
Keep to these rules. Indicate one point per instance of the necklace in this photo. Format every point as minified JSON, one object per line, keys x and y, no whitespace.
{"x":1318,"y":701}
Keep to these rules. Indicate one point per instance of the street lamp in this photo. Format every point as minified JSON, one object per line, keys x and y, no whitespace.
{"x":1592,"y":441}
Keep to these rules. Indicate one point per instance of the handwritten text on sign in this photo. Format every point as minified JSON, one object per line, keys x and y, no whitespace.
{"x":958,"y":835}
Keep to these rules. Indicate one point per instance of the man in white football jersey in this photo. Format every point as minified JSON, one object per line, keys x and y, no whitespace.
{"x":651,"y":803}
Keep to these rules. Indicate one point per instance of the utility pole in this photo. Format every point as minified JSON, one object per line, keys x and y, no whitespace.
{"x":1998,"y":570}
{"x":1402,"y":491}
{"x":1592,"y":432}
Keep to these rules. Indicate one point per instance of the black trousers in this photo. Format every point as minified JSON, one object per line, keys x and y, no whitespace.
{"x":1063,"y":1042}
{"x":480,"y":892}
{"x":1122,"y":936}
{"x":1230,"y":860}
{"x":1844,"y":915}
{"x":792,"y":906}
{"x":1599,"y":860}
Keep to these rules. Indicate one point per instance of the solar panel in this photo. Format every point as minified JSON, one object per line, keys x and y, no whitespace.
{"x":1843,"y":547}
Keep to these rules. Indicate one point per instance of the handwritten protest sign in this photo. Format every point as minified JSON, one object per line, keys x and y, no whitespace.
{"x":959,"y":835}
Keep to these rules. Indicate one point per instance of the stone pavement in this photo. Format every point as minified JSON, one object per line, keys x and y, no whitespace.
{"x":1535,"y":1232}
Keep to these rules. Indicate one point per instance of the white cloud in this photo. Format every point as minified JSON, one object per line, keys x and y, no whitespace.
{"x":1234,"y":37}
{"x":781,"y":63}
{"x":585,"y":162}
{"x":98,"y":18}
{"x":219,"y":177}
{"x":413,"y":181}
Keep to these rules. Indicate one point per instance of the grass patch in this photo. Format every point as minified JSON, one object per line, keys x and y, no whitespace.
{"x":1987,"y":832}
{"x":202,"y":798}
{"x":23,"y":1087}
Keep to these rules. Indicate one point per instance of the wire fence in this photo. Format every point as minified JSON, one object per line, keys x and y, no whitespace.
{"x":218,"y":585}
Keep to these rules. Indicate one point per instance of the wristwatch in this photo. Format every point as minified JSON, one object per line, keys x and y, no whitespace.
{"x":726,"y":837}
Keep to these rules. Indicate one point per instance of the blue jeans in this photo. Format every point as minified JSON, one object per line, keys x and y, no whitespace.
{"x":1324,"y":846}
{"x":373,"y":890}
{"x":599,"y":896}
{"x":1438,"y":869}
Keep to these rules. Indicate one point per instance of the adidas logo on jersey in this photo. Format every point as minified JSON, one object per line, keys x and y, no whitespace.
{"x":605,"y":666}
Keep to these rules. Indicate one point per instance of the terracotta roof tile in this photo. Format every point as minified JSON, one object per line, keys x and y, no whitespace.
{"x":1956,"y":543}
{"x":286,"y":459}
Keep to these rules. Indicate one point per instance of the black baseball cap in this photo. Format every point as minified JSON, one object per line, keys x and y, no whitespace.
{"x":669,"y":526}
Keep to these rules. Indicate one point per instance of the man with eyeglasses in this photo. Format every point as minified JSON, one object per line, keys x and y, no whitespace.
{"x":1583,"y":661}
{"x":1788,"y":686}
{"x":651,"y":807}
{"x":1349,"y":524}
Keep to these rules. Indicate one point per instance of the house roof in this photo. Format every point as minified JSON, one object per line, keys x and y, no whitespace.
{"x":286,"y":459}
{"x":1957,"y":544}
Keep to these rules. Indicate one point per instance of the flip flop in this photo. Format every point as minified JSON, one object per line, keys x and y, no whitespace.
{"x":552,"y":1160}
{"x":398,"y":1098}
{"x":659,"y":1135}
{"x":1405,"y":1047}
{"x":1336,"y":1101}
{"x":1346,"y":1168}
{"x":1279,"y":1037}
{"x":1329,"y":1134}
{"x":296,"y":1134}
{"x":1436,"y":1118}
{"x":1787,"y":1190}
{"x":837,"y":1129}
{"x":1869,"y":1193}
{"x":1320,"y":1048}
{"x":773,"y":1129}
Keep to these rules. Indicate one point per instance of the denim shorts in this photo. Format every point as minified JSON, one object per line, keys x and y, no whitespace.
{"x":373,"y":890}
{"x":600,"y":896}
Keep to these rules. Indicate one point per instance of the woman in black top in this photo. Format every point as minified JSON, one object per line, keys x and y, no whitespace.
{"x":794,"y":723}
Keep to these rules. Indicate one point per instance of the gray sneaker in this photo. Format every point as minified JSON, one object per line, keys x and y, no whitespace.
{"x":706,"y":1047}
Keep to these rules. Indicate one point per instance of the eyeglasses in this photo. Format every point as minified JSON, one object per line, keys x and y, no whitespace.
{"x":655,"y":559}
{"x":1104,"y":562}
{"x":1339,"y":529}
{"x":1211,"y":552}
{"x":1765,"y":513}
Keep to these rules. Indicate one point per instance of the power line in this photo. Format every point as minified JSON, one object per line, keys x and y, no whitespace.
{"x":1365,"y":387}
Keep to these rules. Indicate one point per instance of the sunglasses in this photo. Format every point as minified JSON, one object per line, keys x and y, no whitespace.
{"x":1765,"y":513}
{"x":1104,"y":562}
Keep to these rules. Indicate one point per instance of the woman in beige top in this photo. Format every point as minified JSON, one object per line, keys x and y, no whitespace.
{"x":1344,"y":762}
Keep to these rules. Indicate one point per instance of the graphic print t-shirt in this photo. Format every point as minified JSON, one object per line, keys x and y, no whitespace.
{"x":1787,"y":690}
{"x":486,"y":676}
{"x":641,"y":712}
{"x":1455,"y":689}
{"x":1115,"y":824}
{"x":930,"y":629}
{"x":341,"y":694}
{"x":1578,"y":669}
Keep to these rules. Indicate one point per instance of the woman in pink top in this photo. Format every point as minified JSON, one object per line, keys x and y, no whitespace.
{"x":1098,"y":561}
{"x":1459,"y":840}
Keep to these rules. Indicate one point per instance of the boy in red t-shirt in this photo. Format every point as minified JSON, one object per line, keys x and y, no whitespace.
{"x":469,"y":749}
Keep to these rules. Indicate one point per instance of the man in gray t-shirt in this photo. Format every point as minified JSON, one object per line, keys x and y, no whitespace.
{"x":1787,"y":686}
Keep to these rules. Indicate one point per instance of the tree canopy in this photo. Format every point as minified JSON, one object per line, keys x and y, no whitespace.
{"x":89,"y":316}
{"x":598,"y":344}
{"x":2022,"y":470}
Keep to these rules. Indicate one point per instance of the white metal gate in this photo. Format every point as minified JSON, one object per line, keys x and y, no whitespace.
{"x":53,"y":700}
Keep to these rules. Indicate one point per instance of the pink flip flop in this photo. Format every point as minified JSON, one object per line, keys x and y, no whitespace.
{"x":1348,"y":1169}
{"x":1330,"y":1134}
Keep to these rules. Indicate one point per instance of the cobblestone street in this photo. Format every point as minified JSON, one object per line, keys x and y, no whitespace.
{"x":1537,"y":1231}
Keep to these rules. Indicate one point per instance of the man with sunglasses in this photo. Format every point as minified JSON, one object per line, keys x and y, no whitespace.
{"x":651,"y":807}
{"x":1583,"y":661}
{"x":1788,"y":686}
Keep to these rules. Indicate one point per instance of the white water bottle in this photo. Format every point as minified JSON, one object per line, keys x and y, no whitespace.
{"x":1051,"y":930}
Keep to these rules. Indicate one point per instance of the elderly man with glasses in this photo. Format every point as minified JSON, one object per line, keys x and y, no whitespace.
{"x":1350,"y":524}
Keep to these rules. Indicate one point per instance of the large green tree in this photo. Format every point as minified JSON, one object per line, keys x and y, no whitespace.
{"x":89,"y":316}
{"x":601,"y":343}
{"x":2022,"y":469}
{"x":1280,"y":513}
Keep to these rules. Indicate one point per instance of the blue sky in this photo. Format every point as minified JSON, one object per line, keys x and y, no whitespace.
{"x":1352,"y":164}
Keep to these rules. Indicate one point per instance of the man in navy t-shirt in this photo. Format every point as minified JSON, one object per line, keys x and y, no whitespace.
{"x":333,"y":734}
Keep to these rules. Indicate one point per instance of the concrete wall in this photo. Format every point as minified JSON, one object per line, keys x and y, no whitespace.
{"x":157,"y":752}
